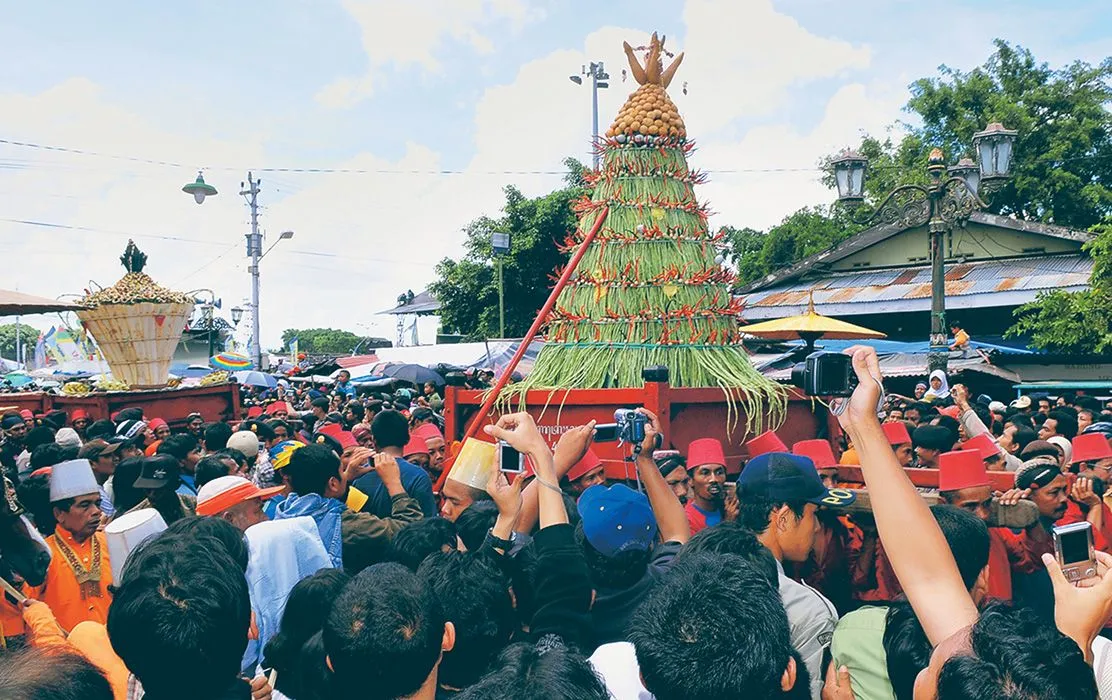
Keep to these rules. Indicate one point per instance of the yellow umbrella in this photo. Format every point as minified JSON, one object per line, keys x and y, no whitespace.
{"x":809,"y":326}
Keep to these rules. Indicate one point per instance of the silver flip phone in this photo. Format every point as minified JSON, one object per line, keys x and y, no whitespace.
{"x":1073,"y":547}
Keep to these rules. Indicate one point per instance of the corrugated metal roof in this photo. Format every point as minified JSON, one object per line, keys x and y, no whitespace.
{"x":1025,"y":276}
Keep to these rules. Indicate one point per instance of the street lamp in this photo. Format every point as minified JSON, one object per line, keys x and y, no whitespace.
{"x":598,"y":76}
{"x":199,"y":189}
{"x":941,"y":205}
{"x":237,"y":315}
{"x":500,"y":242}
{"x":250,"y":192}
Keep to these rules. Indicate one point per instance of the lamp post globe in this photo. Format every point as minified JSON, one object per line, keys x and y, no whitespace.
{"x":849,"y":176}
{"x":994,"y":148}
{"x":199,"y":189}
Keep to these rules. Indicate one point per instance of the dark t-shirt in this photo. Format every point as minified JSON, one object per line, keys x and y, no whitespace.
{"x":415,"y":482}
{"x":614,"y":607}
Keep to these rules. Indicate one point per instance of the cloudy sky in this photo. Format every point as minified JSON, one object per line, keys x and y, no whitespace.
{"x":428,"y":108}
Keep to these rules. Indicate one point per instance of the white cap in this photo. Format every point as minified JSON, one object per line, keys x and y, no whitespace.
{"x":127,"y":532}
{"x":67,"y":437}
{"x":997,"y":406}
{"x":71,"y":479}
{"x":245,"y":442}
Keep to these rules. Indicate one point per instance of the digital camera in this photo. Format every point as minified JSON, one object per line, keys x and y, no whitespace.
{"x":825,"y":373}
{"x":631,"y":425}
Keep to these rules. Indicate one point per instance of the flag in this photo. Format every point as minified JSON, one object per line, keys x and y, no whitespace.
{"x":40,"y":353}
{"x":293,"y":349}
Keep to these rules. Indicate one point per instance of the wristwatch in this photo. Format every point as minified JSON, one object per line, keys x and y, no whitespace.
{"x":499,"y":543}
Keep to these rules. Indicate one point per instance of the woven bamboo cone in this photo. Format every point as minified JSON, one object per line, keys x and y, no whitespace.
{"x":138,"y":340}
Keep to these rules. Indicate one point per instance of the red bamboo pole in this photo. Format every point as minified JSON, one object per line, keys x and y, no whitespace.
{"x":542,"y":316}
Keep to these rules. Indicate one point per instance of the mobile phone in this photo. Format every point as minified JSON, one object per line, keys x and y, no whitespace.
{"x":509,"y":459}
{"x":731,"y":488}
{"x":1073,"y":547}
{"x":606,"y":432}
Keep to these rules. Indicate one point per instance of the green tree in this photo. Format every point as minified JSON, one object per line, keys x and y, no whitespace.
{"x":1074,"y":322}
{"x":28,"y":337}
{"x":329,"y":341}
{"x":1062,"y":171}
{"x":467,"y":289}
{"x":801,"y":234}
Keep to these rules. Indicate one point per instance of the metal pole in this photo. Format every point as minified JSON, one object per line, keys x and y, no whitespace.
{"x":501,"y":302}
{"x":595,"y":70}
{"x":939,"y":354}
{"x":212,"y":344}
{"x":255,"y":251}
{"x":17,"y":339}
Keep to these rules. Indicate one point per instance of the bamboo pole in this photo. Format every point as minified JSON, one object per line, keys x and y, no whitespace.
{"x":542,"y":316}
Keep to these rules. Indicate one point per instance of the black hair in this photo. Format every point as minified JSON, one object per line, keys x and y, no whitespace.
{"x":303,"y":618}
{"x":357,"y":410}
{"x":967,"y":536}
{"x":1068,"y":410}
{"x":421,"y":414}
{"x":906,"y":648}
{"x":619,"y":571}
{"x":49,"y":673}
{"x":216,"y":436}
{"x":476,"y":599}
{"x":419,"y":539}
{"x":38,"y":435}
{"x":70,"y":452}
{"x":1020,"y":420}
{"x":950,"y":423}
{"x":390,"y":429}
{"x":124,"y":494}
{"x":688,"y":632}
{"x":34,"y":495}
{"x":181,"y":605}
{"x":263,"y":431}
{"x":472,"y":524}
{"x":102,"y":428}
{"x":1038,"y":419}
{"x":1067,"y":424}
{"x":539,"y":672}
{"x":731,"y":537}
{"x":235,"y":455}
{"x":310,"y":469}
{"x":210,"y":467}
{"x":275,"y":423}
{"x":178,"y":446}
{"x":322,"y":403}
{"x":57,"y":419}
{"x":384,"y":633}
{"x":753,"y":512}
{"x":47,"y":455}
{"x":1017,"y":655}
{"x":1023,"y":437}
{"x":983,"y":413}
{"x":218,"y":531}
{"x":131,"y":413}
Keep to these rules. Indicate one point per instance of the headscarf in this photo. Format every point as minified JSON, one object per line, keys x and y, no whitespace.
{"x":326,"y":512}
{"x":282,"y":552}
{"x":942,"y":392}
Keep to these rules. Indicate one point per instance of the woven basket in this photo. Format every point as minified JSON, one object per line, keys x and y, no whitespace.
{"x":138,"y":340}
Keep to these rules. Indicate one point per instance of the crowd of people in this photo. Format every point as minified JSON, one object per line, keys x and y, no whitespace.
{"x":338,"y":545}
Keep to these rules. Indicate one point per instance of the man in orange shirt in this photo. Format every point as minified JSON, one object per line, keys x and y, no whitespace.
{"x":76,"y":586}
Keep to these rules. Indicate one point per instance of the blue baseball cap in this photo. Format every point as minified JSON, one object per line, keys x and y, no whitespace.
{"x":783,"y":477}
{"x":617,"y":519}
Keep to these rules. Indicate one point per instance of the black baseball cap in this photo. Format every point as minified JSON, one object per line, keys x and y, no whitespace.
{"x":782,"y":477}
{"x":158,"y":471}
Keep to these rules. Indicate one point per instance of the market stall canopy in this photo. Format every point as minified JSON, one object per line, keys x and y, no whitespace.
{"x":13,"y":303}
{"x":810,"y":326}
{"x":231,"y":361}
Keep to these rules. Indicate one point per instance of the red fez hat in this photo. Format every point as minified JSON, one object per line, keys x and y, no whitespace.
{"x":80,"y":414}
{"x":254,"y":411}
{"x":278,"y":406}
{"x":961,"y":470}
{"x":1090,"y":448}
{"x":335,"y":430}
{"x":767,"y":441}
{"x":705,"y":451}
{"x":426,"y":431}
{"x":951,"y":411}
{"x":589,"y":462}
{"x":415,"y":446}
{"x":818,"y":450}
{"x":27,"y":415}
{"x":982,"y":444}
{"x":896,"y":433}
{"x":157,"y":423}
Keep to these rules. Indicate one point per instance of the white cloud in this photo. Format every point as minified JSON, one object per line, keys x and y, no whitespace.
{"x":417,"y":33}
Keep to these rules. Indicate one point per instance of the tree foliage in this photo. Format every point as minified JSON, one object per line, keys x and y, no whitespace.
{"x":467,"y":289}
{"x":28,"y":337}
{"x":802,"y":234}
{"x":1074,"y":322}
{"x":329,"y":341}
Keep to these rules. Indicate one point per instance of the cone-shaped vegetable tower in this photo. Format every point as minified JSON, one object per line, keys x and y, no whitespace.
{"x":137,"y":323}
{"x":648,"y":290}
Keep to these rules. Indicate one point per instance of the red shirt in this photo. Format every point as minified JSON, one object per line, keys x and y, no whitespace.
{"x":1101,"y":537}
{"x":1007,"y":552}
{"x":700,"y":520}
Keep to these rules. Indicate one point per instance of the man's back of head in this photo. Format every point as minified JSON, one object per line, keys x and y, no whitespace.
{"x":180,"y":617}
{"x":36,"y":673}
{"x":715,"y":628}
{"x":385,"y":634}
{"x":390,"y":429}
{"x":311,"y":468}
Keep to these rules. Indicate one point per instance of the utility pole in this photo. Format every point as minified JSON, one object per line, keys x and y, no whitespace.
{"x":255,"y":252}
{"x":501,"y":302}
{"x":599,"y":76}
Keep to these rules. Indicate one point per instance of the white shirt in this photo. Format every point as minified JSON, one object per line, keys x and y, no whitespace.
{"x":811,"y":618}
{"x":616,"y":664}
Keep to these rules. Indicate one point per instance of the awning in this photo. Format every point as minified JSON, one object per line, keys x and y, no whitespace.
{"x":16,"y":303}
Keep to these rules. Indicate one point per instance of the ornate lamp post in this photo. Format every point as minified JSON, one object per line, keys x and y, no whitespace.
{"x":500,"y":242}
{"x":942,"y":204}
